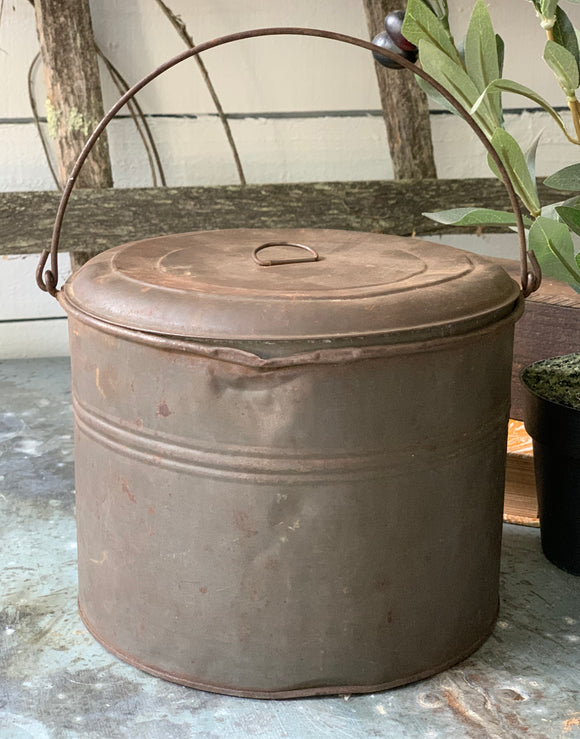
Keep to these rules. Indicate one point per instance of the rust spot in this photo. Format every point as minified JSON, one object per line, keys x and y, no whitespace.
{"x":570,"y":723}
{"x":242,"y":523}
{"x":98,"y":381}
{"x":163,"y":410}
{"x":514,"y":723}
{"x":381,"y":585}
{"x":390,"y":617}
{"x":141,"y":627}
{"x":126,"y":491}
{"x":271,"y":563}
{"x":106,"y":382}
{"x":510,"y":694}
{"x":462,"y":713}
{"x":104,"y":558}
{"x":151,"y":510}
{"x":203,"y":590}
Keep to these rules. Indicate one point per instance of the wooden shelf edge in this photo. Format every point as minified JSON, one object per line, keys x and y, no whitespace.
{"x":520,"y":501}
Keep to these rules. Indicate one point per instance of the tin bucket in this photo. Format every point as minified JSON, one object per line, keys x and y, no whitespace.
{"x":289,"y":464}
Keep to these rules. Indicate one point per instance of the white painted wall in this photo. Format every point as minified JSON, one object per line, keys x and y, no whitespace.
{"x":327,"y":124}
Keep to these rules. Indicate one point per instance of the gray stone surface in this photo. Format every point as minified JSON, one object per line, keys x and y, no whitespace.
{"x":56,"y":681}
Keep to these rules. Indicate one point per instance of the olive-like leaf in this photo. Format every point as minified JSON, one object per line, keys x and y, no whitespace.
{"x":500,"y":47}
{"x":548,"y":8}
{"x":500,"y":57}
{"x":456,"y":80}
{"x":563,"y":65}
{"x":421,"y":24}
{"x":565,"y":179}
{"x":514,"y":161}
{"x":515,"y":87}
{"x":475,"y":217}
{"x":552,"y":244}
{"x":530,"y":155}
{"x":551,"y":210}
{"x":481,"y":60}
{"x":565,"y":34}
{"x":570,"y":216}
{"x":428,"y":4}
{"x":460,"y":45}
{"x":435,"y":95}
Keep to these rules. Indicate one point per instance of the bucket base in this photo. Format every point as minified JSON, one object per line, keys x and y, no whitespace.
{"x":304,"y":692}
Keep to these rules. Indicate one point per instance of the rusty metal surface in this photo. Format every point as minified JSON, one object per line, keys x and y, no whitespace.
{"x":265,"y":530}
{"x":369,"y":287}
{"x":56,"y":681}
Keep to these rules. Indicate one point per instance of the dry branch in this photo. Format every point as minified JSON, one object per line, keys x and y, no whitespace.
{"x":186,"y":37}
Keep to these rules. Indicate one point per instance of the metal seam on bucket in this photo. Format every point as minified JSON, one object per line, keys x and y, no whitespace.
{"x":244,"y":463}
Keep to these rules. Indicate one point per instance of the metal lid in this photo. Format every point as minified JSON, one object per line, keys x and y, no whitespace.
{"x":206,"y":286}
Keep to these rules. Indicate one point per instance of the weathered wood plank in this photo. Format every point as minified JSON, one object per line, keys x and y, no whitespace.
{"x":100,"y":219}
{"x":404,"y":105}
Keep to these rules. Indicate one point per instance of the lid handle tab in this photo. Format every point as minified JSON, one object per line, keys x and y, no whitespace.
{"x":311,"y":257}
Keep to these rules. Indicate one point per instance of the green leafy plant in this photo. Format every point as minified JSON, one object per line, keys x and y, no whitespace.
{"x":472,"y":71}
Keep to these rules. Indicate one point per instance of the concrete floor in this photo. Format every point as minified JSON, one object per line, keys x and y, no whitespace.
{"x":56,"y":681}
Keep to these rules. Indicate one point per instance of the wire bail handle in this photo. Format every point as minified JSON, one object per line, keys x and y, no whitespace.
{"x":47,"y":280}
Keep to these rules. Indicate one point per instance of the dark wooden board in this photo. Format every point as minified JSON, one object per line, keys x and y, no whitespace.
{"x":550,"y":326}
{"x":104,"y":218}
{"x":545,"y":330}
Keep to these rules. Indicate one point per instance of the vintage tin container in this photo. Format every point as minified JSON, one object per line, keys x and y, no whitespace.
{"x":290,"y":477}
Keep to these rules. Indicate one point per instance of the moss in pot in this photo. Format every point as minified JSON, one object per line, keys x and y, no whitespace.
{"x":556,"y":380}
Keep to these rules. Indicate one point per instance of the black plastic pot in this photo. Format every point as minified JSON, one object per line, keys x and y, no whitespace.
{"x":555,"y":430}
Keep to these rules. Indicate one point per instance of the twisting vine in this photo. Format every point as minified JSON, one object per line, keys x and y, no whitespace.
{"x":139,"y":119}
{"x":135,"y":111}
{"x":36,"y":118}
{"x":186,"y":37}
